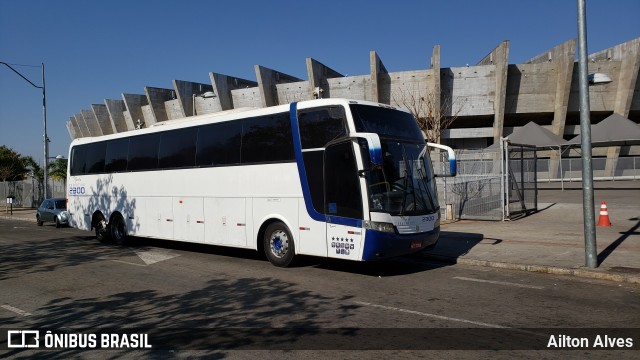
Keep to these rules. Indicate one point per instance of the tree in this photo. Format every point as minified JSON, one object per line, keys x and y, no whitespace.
{"x":37,"y":172}
{"x":12,"y":167}
{"x":58,"y":170}
{"x":432,"y":114}
{"x":32,"y":166}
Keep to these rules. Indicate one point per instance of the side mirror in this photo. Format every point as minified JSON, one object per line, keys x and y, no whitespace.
{"x":374,"y":145}
{"x":451,"y":158}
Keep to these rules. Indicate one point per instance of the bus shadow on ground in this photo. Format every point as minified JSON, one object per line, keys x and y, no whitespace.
{"x":383,"y":268}
{"x":455,"y":244}
{"x":396,"y":266}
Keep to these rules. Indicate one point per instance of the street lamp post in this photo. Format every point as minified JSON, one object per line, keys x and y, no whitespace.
{"x":44,"y":119}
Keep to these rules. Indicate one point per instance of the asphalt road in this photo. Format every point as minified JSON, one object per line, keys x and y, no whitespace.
{"x":65,"y":280}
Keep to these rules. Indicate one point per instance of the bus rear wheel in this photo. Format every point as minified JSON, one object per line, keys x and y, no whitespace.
{"x":278,"y":245}
{"x":118,"y":230}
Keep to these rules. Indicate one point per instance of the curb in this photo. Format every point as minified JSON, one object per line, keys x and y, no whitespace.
{"x":20,"y":218}
{"x":589,"y":274}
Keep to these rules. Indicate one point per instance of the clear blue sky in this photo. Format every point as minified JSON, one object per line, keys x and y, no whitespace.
{"x":94,"y":50}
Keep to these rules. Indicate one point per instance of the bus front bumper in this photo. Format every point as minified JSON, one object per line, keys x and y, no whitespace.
{"x":381,"y":245}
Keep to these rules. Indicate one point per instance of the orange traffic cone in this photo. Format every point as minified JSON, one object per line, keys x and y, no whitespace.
{"x":604,"y":215}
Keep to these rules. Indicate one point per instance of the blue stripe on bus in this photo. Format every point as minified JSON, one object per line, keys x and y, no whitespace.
{"x":304,"y":182}
{"x":297,"y":147}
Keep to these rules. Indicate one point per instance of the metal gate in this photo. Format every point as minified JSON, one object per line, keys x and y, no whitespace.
{"x":488,"y":187}
{"x":521,"y":195}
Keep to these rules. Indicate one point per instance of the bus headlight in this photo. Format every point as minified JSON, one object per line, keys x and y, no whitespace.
{"x":378,"y":226}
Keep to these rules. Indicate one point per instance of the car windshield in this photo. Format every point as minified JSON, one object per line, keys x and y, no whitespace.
{"x":404,"y":184}
{"x":61,"y":204}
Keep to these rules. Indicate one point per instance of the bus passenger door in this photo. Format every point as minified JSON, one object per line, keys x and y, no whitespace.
{"x":343,"y":202}
{"x":313,"y":233}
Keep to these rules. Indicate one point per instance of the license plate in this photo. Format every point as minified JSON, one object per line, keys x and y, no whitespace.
{"x":416,"y":244}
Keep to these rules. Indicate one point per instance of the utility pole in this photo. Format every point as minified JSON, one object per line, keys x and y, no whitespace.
{"x":590,"y":250}
{"x":44,"y":117}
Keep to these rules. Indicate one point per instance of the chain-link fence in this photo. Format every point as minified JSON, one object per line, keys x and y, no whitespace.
{"x":489,"y":188}
{"x":28,"y":193}
{"x":476,"y":191}
{"x":621,"y":168}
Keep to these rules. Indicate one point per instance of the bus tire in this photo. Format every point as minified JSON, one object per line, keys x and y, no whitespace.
{"x":118,"y":230}
{"x":102,"y":229}
{"x":278,"y":245}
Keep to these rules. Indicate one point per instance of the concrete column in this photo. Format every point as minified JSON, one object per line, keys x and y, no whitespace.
{"x":157,"y":98}
{"x":377,"y":72}
{"x":102,"y":115}
{"x":92,"y":122}
{"x":318,"y":74}
{"x":116,"y":109}
{"x":563,"y":59}
{"x":629,"y":53}
{"x":222,"y":86}
{"x":437,"y":87}
{"x":133,"y":114}
{"x":77,"y":129}
{"x":186,"y":92}
{"x":499,"y":57}
{"x":71,"y":130}
{"x":267,"y":80}
{"x":83,"y":125}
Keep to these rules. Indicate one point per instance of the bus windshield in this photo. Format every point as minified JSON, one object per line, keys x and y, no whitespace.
{"x":404,"y":184}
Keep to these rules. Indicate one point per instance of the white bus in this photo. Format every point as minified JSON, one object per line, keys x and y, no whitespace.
{"x":332,"y":177}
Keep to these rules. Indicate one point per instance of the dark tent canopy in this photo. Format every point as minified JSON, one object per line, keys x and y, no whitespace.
{"x":615,"y":130}
{"x":535,"y":135}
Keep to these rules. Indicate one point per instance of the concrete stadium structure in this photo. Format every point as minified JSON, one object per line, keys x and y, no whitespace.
{"x":489,"y":99}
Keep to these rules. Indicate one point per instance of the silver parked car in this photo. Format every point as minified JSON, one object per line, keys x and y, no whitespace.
{"x":53,"y":210}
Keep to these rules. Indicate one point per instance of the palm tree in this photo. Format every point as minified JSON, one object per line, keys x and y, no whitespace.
{"x":37,"y":173}
{"x":58,"y":171}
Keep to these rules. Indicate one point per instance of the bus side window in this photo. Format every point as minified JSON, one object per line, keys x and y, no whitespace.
{"x":219,"y":144}
{"x":95,"y":156}
{"x":116,"y":159}
{"x":318,"y":126}
{"x":267,"y":139}
{"x":177,"y":148}
{"x":78,"y":160}
{"x":143,"y":152}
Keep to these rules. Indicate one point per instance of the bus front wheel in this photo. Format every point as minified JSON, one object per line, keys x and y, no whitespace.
{"x":278,"y":245}
{"x":118,"y":230}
